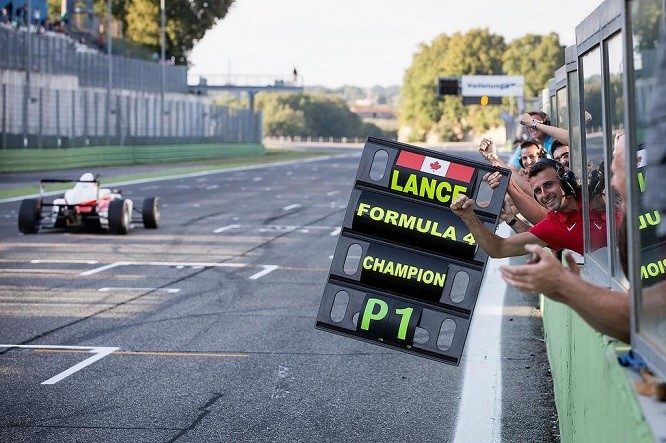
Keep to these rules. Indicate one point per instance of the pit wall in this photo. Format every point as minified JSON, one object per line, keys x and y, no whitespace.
{"x":16,"y":160}
{"x":594,"y":397}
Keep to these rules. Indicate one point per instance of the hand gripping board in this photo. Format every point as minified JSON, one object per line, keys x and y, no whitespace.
{"x":406,"y":271}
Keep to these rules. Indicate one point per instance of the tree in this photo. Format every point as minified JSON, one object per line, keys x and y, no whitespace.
{"x":186,"y":22}
{"x":473,"y":53}
{"x":310,"y":115}
{"x":536,"y":57}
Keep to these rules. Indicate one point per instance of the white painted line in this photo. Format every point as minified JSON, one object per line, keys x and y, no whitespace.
{"x":480,"y":409}
{"x":86,"y":262}
{"x":99,"y":351}
{"x":332,"y":193}
{"x":290,"y":207}
{"x":267,"y":270}
{"x":257,"y":179}
{"x":336,"y":231}
{"x":102,"y":268}
{"x":187,"y":264}
{"x":121,"y":288}
{"x":180,"y":265}
{"x":193,"y":174}
{"x":211,"y":187}
{"x":226,"y":228}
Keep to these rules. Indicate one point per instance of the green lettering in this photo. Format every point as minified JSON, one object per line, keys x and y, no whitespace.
{"x":457,"y":190}
{"x":423,"y":225}
{"x":410,"y":186}
{"x":391,"y":217}
{"x":407,"y":221}
{"x":641,"y":182}
{"x":362,"y":209}
{"x":376,"y":213}
{"x":394,"y":181}
{"x":428,"y":187}
{"x":405,"y":314}
{"x":401,"y":270}
{"x":450,"y":233}
{"x":413,"y":270}
{"x":440,"y":197}
{"x":368,"y":315}
{"x":378,"y":266}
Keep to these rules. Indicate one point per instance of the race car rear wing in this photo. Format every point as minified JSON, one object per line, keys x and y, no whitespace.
{"x":65,"y":180}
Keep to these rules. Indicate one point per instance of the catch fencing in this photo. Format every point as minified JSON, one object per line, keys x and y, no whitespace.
{"x":78,"y":117}
{"x":67,"y":102}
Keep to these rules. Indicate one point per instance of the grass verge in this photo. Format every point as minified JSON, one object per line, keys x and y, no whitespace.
{"x":167,"y":170}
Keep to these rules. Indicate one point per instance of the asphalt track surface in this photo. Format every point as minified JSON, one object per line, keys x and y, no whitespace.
{"x":203,"y":330}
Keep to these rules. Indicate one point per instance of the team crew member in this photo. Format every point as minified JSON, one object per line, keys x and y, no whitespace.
{"x":561,"y":154}
{"x":561,"y":228}
{"x":604,"y":309}
{"x":540,"y":130}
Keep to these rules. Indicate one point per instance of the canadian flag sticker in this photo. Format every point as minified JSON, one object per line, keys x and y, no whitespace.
{"x":435,"y":166}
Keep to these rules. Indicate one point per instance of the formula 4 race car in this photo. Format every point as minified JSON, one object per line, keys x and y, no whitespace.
{"x":86,"y":205}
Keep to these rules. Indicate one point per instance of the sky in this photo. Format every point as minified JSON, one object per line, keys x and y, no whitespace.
{"x":362,"y":42}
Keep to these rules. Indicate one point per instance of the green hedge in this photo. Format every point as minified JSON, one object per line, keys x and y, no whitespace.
{"x":17,"y":160}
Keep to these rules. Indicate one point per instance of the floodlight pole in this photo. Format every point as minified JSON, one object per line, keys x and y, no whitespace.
{"x":28,"y":68}
{"x":162,"y":62}
{"x":109,"y":72}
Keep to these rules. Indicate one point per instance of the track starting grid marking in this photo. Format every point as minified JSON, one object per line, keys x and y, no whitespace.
{"x":265,"y":269}
{"x":98,"y":351}
{"x":333,"y":230}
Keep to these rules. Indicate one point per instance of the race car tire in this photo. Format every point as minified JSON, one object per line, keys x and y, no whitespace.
{"x":30,"y":215}
{"x":120,"y":218}
{"x":151,"y":212}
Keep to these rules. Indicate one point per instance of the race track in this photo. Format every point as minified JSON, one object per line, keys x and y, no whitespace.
{"x":203,"y":330}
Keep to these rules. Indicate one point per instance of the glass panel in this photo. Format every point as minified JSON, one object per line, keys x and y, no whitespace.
{"x":646,"y":16}
{"x":595,"y":244}
{"x":553,"y":110}
{"x":574,"y":117}
{"x":616,"y":120}
{"x":378,"y":167}
{"x":353,"y":259}
{"x":562,"y":109}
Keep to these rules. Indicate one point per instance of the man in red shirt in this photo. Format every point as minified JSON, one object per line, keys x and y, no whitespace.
{"x":561,"y":228}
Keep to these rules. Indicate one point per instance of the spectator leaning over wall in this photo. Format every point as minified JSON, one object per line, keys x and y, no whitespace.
{"x":604,"y":309}
{"x":561,"y":154}
{"x":539,"y":130}
{"x":562,"y":228}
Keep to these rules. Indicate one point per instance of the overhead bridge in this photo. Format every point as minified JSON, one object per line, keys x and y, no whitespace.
{"x":249,"y":84}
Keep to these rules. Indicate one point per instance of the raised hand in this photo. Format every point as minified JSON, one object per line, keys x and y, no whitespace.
{"x":463,"y":207}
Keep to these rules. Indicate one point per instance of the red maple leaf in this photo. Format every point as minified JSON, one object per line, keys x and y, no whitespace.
{"x":435,"y":166}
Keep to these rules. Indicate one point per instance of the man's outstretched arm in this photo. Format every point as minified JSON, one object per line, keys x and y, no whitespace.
{"x":495,"y":245}
{"x":605,"y":310}
{"x":559,"y":134}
